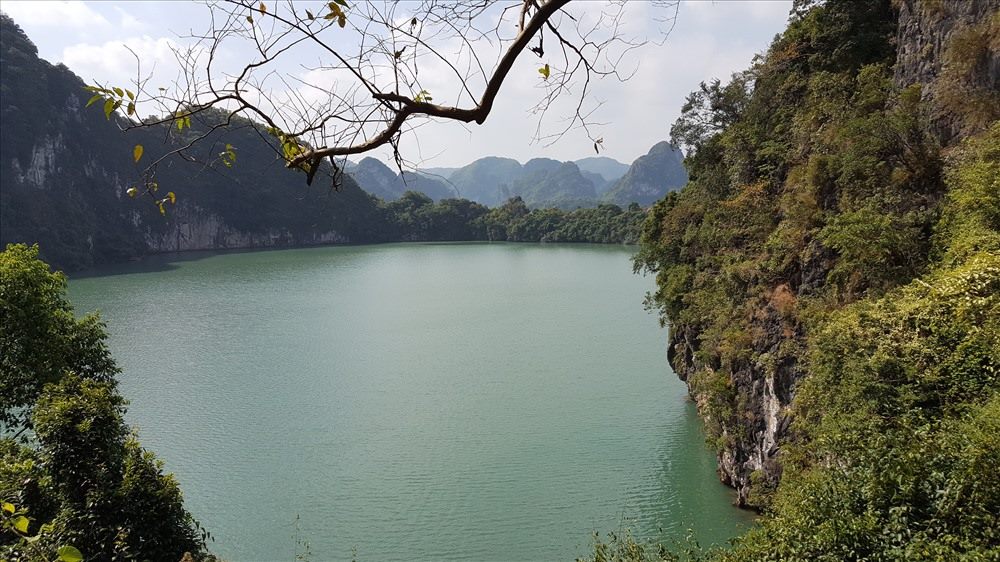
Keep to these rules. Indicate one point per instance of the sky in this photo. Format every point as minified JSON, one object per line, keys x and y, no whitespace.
{"x":710,"y":39}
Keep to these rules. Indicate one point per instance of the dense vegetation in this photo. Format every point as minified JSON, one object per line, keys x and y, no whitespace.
{"x":81,"y":480}
{"x":415,"y":217}
{"x":828,"y":248}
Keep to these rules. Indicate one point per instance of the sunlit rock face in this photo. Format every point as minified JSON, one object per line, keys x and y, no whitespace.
{"x":944,"y":44}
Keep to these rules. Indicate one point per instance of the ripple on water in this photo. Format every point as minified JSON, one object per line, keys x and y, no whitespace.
{"x":417,"y":402}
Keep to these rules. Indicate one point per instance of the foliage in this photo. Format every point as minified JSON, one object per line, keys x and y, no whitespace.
{"x":84,"y":480}
{"x":825,"y":241}
{"x":40,"y":339}
{"x":414,"y":217}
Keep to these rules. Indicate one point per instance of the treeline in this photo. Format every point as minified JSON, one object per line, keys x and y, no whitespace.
{"x":415,"y":217}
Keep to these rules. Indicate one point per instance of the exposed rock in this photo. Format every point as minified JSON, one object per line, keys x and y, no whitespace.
{"x":650,"y":177}
{"x":943,"y":43}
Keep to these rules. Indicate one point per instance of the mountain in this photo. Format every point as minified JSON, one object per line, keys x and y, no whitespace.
{"x":600,"y":183}
{"x":487,"y":180}
{"x":608,"y":168}
{"x":437,"y":172}
{"x":381,"y":181}
{"x":434,"y":188}
{"x":650,"y":177}
{"x":64,"y":171}
{"x":376,"y":178}
{"x":550,"y":183}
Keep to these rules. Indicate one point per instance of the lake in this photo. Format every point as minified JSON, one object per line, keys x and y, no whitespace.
{"x":411,"y":401}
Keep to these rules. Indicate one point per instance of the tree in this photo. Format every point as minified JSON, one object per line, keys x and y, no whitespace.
{"x":84,"y":480}
{"x":40,"y":339}
{"x":369,"y":86}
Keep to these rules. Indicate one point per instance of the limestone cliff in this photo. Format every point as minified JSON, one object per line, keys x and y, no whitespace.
{"x":64,"y":171}
{"x":951,"y":49}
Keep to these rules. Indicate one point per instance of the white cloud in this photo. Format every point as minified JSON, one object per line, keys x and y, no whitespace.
{"x":72,"y":13}
{"x":128,"y":22}
{"x":111,"y":63}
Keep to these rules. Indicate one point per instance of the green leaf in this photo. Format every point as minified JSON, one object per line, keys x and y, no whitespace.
{"x":69,"y":553}
{"x":137,"y":152}
{"x":9,"y":507}
{"x":109,"y":106}
{"x":120,"y":92}
{"x":131,"y":108}
{"x":131,"y":96}
{"x":422,"y":97}
{"x":94,"y":99}
{"x":544,"y":71}
{"x":21,"y":524}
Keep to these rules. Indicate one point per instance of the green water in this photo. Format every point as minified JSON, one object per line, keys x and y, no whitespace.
{"x":417,"y":402}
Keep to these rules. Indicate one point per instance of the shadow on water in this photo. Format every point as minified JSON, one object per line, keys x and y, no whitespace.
{"x":170,"y":261}
{"x":674,"y":515}
{"x":159,"y":263}
{"x":155,"y":263}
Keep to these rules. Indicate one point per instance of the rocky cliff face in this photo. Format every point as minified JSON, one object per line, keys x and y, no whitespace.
{"x":949,"y":47}
{"x":650,"y":177}
{"x":64,"y":170}
{"x":193,"y":228}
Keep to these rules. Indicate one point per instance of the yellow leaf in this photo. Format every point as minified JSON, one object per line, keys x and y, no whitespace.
{"x":21,"y":523}
{"x":172,"y":197}
{"x":163,"y":210}
{"x":137,"y":152}
{"x":9,"y":507}
{"x":263,"y":8}
{"x":132,"y":192}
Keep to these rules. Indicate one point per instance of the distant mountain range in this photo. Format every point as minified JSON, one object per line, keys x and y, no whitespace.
{"x":540,"y":182}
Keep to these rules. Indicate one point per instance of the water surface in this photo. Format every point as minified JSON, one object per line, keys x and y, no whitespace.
{"x":410,"y":402}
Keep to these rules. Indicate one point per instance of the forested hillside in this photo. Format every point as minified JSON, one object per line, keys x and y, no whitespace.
{"x":831,"y":279}
{"x":65,"y":171}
